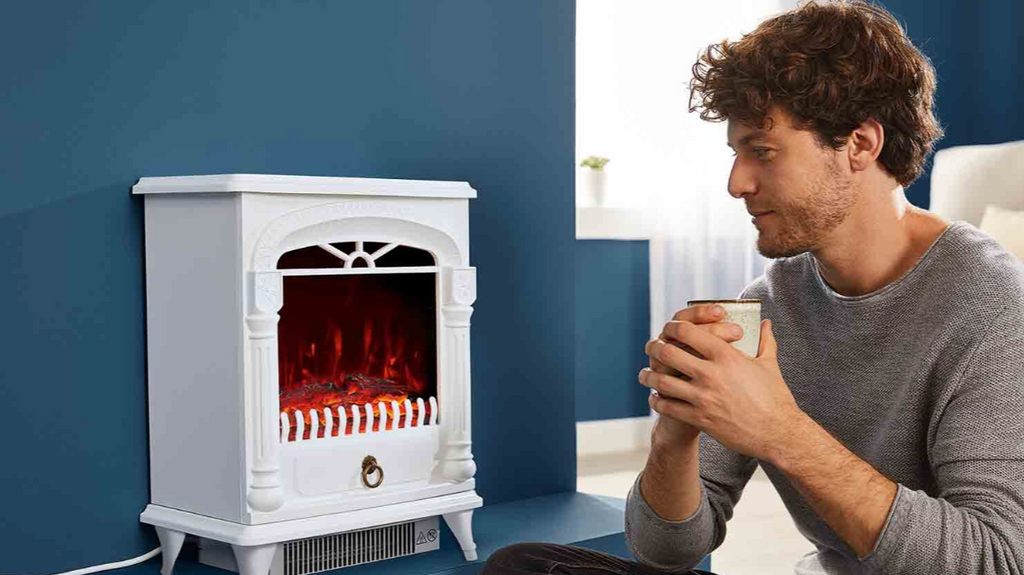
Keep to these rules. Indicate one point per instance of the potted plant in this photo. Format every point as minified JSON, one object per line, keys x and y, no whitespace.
{"x":595,"y":179}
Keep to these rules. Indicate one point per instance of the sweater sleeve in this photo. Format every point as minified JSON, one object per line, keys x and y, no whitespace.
{"x":975,"y":522}
{"x":680,"y":545}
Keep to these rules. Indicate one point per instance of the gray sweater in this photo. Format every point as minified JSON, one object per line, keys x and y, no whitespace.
{"x":924,"y":380}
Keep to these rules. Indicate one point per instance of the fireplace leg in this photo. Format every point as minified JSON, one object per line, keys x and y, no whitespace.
{"x":170,"y":546}
{"x":254,"y":560}
{"x":461,"y":524}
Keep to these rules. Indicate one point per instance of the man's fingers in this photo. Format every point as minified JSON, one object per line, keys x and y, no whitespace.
{"x":725,"y":330}
{"x":672,"y":356}
{"x":659,"y":367}
{"x":662,"y":368}
{"x":697,"y":337}
{"x":675,"y":409}
{"x":669,"y":386}
{"x":700,"y":314}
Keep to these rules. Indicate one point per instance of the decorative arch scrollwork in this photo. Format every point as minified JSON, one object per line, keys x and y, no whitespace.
{"x":356,"y":220}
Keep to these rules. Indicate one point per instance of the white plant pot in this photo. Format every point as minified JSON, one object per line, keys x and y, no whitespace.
{"x":595,"y":186}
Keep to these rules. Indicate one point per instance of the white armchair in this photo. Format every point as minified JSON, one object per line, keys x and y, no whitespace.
{"x":966,"y":179}
{"x":983,"y":185}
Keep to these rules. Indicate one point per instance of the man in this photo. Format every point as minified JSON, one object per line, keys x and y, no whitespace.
{"x":886,"y":401}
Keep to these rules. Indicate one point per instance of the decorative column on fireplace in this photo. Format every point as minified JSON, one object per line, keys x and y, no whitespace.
{"x":309,"y":368}
{"x":459,"y":297}
{"x":265,"y":492}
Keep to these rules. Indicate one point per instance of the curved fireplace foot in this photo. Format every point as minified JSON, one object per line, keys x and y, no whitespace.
{"x":170,"y":546}
{"x":254,"y":560}
{"x":461,"y":524}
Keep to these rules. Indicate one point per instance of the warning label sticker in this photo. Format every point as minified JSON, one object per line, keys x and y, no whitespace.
{"x":422,"y":539}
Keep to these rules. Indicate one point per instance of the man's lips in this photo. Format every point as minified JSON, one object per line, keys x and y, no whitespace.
{"x":758,"y":216}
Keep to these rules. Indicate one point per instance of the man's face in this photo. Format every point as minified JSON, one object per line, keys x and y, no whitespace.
{"x":786,"y":172}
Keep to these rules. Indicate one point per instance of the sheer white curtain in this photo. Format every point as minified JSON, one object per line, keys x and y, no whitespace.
{"x":703,"y":245}
{"x":634,"y":60}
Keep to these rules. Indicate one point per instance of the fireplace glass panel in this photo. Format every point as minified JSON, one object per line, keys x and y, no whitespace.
{"x":346,"y":341}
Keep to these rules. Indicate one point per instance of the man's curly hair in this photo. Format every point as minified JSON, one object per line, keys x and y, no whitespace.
{"x":831,"y":66}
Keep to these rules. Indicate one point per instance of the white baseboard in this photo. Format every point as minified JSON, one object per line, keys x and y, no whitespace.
{"x":613,"y":435}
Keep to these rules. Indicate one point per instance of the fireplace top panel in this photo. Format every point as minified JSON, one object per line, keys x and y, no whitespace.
{"x":278,"y":184}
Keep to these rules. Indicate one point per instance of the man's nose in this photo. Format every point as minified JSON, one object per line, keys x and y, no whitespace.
{"x":741,"y":180}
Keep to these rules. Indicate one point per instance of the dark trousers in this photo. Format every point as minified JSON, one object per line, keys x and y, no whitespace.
{"x":549,"y":558}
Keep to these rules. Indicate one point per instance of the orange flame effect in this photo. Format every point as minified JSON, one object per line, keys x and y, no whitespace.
{"x":337,"y":355}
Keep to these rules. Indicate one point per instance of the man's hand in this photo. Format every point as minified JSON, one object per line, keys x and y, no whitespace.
{"x":742,"y":402}
{"x":707,"y":317}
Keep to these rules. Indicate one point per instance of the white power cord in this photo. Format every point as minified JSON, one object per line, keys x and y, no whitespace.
{"x":118,"y":565}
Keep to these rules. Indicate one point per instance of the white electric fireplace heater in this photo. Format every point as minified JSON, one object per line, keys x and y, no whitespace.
{"x":308,"y":366}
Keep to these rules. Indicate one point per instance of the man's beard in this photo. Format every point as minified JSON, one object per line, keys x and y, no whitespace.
{"x":802,"y":226}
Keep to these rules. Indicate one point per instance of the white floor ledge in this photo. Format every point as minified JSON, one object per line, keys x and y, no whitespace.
{"x":613,"y":224}
{"x":613,"y":436}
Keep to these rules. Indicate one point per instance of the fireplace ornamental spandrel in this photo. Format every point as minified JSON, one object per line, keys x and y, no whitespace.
{"x":308,"y":367}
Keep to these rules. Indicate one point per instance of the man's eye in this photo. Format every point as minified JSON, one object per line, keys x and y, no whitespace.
{"x":763,"y":153}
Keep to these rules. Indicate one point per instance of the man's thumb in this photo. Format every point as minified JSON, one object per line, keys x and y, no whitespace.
{"x":767,"y":346}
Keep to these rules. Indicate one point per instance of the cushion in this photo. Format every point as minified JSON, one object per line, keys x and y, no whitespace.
{"x":965,"y":179}
{"x":1006,"y":226}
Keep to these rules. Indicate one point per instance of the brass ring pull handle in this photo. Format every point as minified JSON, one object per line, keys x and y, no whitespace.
{"x":369,"y":467}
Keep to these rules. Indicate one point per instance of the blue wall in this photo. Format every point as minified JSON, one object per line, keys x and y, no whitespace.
{"x":978,"y":50}
{"x":96,"y":95}
{"x":612,"y":326}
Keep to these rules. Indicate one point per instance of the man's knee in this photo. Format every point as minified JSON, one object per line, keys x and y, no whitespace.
{"x":517,"y":558}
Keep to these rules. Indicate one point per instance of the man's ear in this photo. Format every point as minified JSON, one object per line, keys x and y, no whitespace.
{"x":865,"y":144}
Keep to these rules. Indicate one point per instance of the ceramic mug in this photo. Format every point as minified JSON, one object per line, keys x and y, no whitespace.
{"x":744,"y":312}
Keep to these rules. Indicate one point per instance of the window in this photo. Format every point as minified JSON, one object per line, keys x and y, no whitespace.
{"x":633,"y":61}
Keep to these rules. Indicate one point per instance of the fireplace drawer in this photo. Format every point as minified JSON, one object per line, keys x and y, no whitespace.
{"x":324,"y":467}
